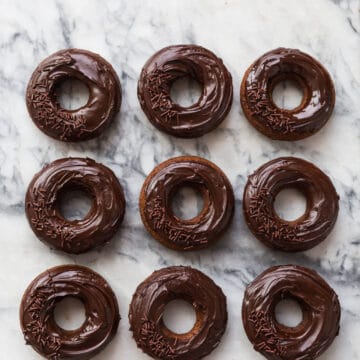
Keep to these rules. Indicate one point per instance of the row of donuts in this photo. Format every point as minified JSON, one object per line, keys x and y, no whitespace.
{"x":309,"y":339}
{"x":108,"y":206}
{"x":156,"y":79}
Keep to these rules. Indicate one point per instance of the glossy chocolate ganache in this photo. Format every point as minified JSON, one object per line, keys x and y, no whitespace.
{"x":147,"y":308}
{"x":260,"y":80}
{"x":159,"y":189}
{"x":99,"y":224}
{"x":89,"y":120}
{"x":37,"y":313}
{"x":318,"y":302}
{"x":309,"y":229}
{"x":172,"y":63}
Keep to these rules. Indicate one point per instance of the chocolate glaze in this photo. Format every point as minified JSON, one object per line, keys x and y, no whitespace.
{"x":37,"y":313}
{"x":89,"y":120}
{"x":283,"y":124}
{"x":319,"y":304}
{"x":306,"y":231}
{"x":147,"y":308}
{"x":157,"y":193}
{"x":172,"y":63}
{"x":102,"y":220}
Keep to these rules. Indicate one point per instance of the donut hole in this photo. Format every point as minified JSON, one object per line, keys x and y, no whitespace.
{"x":290,"y":204}
{"x":288,"y":312}
{"x":179,"y":316}
{"x":185,"y":91}
{"x":69,"y":313}
{"x":72,"y":94}
{"x":287,"y":94}
{"x":74,"y":204}
{"x":187,"y":202}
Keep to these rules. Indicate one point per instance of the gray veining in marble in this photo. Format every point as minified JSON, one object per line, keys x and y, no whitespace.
{"x":127,"y":33}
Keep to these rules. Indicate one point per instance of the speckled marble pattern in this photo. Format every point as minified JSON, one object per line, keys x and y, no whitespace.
{"x":127,"y":33}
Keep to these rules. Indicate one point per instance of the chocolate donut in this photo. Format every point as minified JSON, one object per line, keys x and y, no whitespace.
{"x":100,"y":223}
{"x":89,"y":120}
{"x":306,"y":231}
{"x":282,"y":124}
{"x":159,"y":189}
{"x":37,"y":313}
{"x":172,"y":63}
{"x":147,"y":308}
{"x":319,"y":304}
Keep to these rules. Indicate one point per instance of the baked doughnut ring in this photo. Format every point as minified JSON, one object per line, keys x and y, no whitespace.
{"x":260,"y":80}
{"x":157,"y":193}
{"x":172,"y":63}
{"x":75,"y":236}
{"x":37,"y":313}
{"x":319,"y":304}
{"x":89,"y":120}
{"x":306,"y":231}
{"x":147,"y":308}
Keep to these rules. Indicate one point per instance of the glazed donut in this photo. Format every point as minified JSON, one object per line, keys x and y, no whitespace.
{"x":306,"y":231}
{"x":102,"y":220}
{"x":89,"y":120}
{"x":157,"y":193}
{"x":172,"y":63}
{"x":319,"y":304}
{"x":260,"y":80}
{"x":147,"y":308}
{"x":37,"y":313}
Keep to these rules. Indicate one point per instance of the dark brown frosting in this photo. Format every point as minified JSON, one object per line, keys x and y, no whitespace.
{"x":89,"y":120}
{"x":282,"y":124}
{"x":102,"y":220}
{"x":172,"y":63}
{"x":147,"y":308}
{"x":37,"y":313}
{"x":319,"y":304}
{"x":306,"y":231}
{"x":159,"y":188}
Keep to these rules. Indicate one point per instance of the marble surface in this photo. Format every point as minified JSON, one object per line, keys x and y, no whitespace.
{"x":127,"y":33}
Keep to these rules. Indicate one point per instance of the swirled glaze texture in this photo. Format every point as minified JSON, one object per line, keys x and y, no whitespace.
{"x":282,"y":124}
{"x":159,"y":188}
{"x":37,"y":313}
{"x":147,"y":308}
{"x":319,"y":304}
{"x":89,"y":120}
{"x":306,"y":231}
{"x":172,"y":63}
{"x":103,"y":218}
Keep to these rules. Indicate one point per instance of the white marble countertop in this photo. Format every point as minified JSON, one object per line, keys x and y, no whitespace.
{"x":127,"y":33}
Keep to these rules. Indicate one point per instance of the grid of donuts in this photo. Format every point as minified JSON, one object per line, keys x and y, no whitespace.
{"x":275,"y":341}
